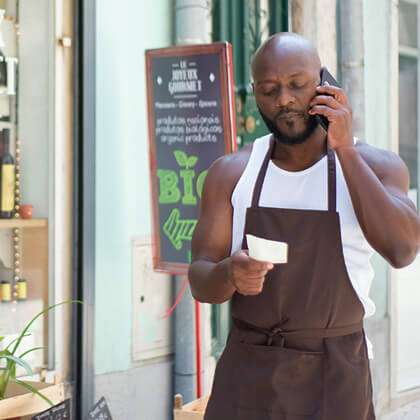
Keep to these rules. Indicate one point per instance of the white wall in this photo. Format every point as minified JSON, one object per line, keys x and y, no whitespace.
{"x":124,"y":30}
{"x":122,"y":177}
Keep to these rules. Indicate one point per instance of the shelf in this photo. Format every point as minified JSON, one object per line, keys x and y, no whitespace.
{"x":23,"y":223}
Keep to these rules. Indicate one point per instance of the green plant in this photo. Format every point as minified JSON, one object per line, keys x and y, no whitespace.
{"x":9,"y":354}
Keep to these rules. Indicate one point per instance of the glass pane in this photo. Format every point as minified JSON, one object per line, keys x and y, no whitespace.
{"x":408,"y":116}
{"x":27,"y":136}
{"x":408,"y":24}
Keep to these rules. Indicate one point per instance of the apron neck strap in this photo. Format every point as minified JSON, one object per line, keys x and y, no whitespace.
{"x":332,"y":181}
{"x":332,"y":189}
{"x":261,"y":174}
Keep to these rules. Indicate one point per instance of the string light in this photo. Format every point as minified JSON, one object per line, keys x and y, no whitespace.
{"x":16,"y":232}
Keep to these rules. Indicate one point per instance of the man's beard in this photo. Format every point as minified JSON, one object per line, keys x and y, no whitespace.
{"x":281,"y":137}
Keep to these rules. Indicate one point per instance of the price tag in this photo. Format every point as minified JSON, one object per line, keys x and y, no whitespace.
{"x":100,"y":411}
{"x":58,"y":412}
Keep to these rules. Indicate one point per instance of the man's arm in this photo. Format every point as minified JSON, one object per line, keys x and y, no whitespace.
{"x":209,"y":271}
{"x":378,"y":182}
{"x":214,"y":276}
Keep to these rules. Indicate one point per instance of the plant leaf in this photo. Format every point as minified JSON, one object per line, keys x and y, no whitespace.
{"x":14,"y":341}
{"x":192,"y":160}
{"x":4,"y":378}
{"x":9,"y":373}
{"x":33,"y":390}
{"x":29,"y":324}
{"x":1,"y":337}
{"x":181,"y":158}
{"x":12,"y":370}
{"x":30,"y":351}
{"x":20,"y":362}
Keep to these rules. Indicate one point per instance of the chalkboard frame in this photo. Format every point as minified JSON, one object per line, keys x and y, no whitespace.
{"x":223,"y":50}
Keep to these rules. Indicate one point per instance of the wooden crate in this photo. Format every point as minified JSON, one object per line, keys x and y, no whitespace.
{"x":21,"y":403}
{"x":191,"y":411}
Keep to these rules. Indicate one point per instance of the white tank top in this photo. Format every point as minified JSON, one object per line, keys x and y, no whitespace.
{"x":307,"y":189}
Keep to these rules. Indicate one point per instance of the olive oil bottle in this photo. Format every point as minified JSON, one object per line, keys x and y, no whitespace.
{"x":7,"y":180}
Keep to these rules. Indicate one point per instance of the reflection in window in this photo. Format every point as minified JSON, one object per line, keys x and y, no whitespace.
{"x":408,"y":115}
{"x":408,"y":24}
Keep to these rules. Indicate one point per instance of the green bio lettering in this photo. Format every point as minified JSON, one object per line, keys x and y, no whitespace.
{"x":169,"y":192}
{"x":200,"y":182}
{"x":187,"y":176}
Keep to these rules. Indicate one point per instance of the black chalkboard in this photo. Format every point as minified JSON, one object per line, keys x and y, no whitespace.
{"x":190,"y":109}
{"x":58,"y":412}
{"x":100,"y":411}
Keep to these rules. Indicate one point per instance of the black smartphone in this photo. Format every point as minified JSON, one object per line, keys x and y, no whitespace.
{"x":326,"y":76}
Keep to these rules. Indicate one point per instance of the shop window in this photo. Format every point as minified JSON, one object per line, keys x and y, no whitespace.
{"x":408,"y":23}
{"x":408,"y":130}
{"x":24,"y":286}
{"x":35,"y":182}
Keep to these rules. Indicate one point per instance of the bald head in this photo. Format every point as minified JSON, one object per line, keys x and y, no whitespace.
{"x":286,"y":71}
{"x":282,"y":48}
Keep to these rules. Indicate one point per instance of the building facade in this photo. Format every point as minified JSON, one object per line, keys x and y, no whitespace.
{"x":386,"y":64}
{"x":85,"y":167}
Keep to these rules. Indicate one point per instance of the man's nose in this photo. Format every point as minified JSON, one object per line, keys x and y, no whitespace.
{"x":284,"y":98}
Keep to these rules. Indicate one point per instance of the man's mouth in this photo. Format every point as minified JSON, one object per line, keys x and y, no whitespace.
{"x":289,"y":115}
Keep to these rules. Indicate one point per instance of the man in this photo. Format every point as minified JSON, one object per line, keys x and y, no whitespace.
{"x":297,"y":349}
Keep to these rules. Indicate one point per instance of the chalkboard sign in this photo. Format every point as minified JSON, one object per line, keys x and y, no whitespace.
{"x":100,"y":411}
{"x":58,"y":412}
{"x":191,"y":124}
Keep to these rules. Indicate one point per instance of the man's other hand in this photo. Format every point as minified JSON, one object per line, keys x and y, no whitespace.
{"x":246,"y":274}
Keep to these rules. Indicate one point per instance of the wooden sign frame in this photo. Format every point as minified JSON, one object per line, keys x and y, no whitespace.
{"x":223,"y":51}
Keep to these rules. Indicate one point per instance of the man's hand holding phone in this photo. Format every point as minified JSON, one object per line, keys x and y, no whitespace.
{"x":331,"y":102}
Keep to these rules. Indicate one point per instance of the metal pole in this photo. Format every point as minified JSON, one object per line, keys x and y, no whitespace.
{"x":83,"y":322}
{"x":192,"y":22}
{"x":184,"y":342}
{"x":192,"y":26}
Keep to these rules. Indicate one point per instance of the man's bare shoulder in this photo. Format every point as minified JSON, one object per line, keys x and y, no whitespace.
{"x":384,"y":163}
{"x":226,"y":170}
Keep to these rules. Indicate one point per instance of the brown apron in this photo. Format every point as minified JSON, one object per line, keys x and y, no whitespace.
{"x":297,"y":350}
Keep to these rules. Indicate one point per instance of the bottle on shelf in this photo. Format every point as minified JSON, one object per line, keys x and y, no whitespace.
{"x":7,"y":174}
{"x":6,"y":291}
{"x":22,"y":289}
{"x":3,"y":71}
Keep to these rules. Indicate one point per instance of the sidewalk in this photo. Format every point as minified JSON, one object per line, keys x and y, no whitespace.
{"x":408,"y":412}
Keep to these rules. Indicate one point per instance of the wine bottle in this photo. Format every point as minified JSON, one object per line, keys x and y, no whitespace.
{"x":7,"y":185}
{"x":6,"y":291}
{"x":3,"y":70}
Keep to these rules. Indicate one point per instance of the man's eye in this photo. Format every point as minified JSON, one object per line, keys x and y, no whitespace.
{"x":269,"y":92}
{"x":294,"y":85}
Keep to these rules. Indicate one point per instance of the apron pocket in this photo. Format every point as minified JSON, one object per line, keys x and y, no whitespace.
{"x":279,"y":379}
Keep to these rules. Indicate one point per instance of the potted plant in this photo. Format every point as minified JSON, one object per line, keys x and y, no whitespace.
{"x":20,"y":398}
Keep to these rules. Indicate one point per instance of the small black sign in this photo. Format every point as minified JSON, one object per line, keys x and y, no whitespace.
{"x":58,"y":412}
{"x":100,"y":411}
